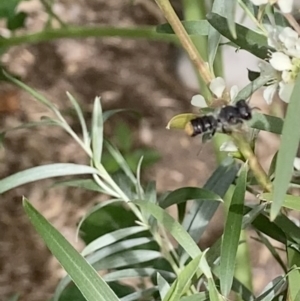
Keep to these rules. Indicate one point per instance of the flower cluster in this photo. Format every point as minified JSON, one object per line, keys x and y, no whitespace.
{"x":285,"y":6}
{"x":217,"y":86}
{"x":285,"y":60}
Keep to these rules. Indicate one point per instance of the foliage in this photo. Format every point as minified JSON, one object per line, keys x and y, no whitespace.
{"x":128,"y":236}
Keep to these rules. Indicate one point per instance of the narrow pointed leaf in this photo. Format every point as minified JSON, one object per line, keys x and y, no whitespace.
{"x":287,"y":151}
{"x":183,"y":281}
{"x":214,"y":37}
{"x":97,"y":131}
{"x":91,"y":285}
{"x":246,"y":39}
{"x":44,"y":172}
{"x":232,"y":233}
{"x":201,"y":212}
{"x":78,"y":110}
{"x":110,"y":238}
{"x":163,"y":286}
{"x":176,"y":230}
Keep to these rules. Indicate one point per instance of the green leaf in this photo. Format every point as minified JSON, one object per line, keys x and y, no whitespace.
{"x":163,"y":286}
{"x":199,"y":27}
{"x":97,"y":131}
{"x":290,"y":201}
{"x":107,"y":114}
{"x":183,"y":281}
{"x":262,"y":80}
{"x":272,"y":250}
{"x":136,"y":273}
{"x":139,"y":188}
{"x":101,"y":255}
{"x":106,"y":219}
{"x":232,"y":233}
{"x":16,"y":21}
{"x":121,"y":161}
{"x":140,"y":295}
{"x":86,"y":184}
{"x":246,"y":39}
{"x":94,"y":210}
{"x":188,"y":193}
{"x":8,"y":7}
{"x":294,"y":274}
{"x":287,"y":151}
{"x":230,"y":8}
{"x":44,"y":172}
{"x":253,"y":75}
{"x":290,"y":229}
{"x":78,"y":110}
{"x":39,"y":97}
{"x":201,"y":212}
{"x":267,"y":123}
{"x":91,"y":285}
{"x":214,"y":37}
{"x":127,"y":258}
{"x":110,"y":238}
{"x":182,"y":195}
{"x":273,"y":289}
{"x":176,"y":230}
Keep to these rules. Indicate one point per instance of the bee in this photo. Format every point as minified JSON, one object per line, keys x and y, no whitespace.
{"x":223,"y":120}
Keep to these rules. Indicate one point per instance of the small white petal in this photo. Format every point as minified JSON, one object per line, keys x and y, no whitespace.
{"x":234,"y":90}
{"x":228,"y":146}
{"x":287,"y":32}
{"x":280,"y":61}
{"x":290,"y":42}
{"x":269,"y":93}
{"x":259,"y":2}
{"x":285,"y":91}
{"x":286,"y":76}
{"x":198,"y":101}
{"x":217,"y":86}
{"x":297,"y":163}
{"x":293,"y":52}
{"x":285,"y":6}
{"x":298,"y":44}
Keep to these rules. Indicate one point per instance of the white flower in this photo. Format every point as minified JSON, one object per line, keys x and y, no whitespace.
{"x":228,"y":146}
{"x":217,"y":86}
{"x":198,"y":101}
{"x":285,"y":90}
{"x":269,"y":93}
{"x":280,"y":61}
{"x":286,"y":6}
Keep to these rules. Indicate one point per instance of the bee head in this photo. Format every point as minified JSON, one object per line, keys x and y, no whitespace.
{"x":244,"y":110}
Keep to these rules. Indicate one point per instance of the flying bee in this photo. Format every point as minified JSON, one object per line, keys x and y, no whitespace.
{"x":222,"y":120}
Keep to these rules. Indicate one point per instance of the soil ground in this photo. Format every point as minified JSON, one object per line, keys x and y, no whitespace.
{"x":134,"y":74}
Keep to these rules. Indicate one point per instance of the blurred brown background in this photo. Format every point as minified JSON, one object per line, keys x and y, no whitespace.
{"x":136,"y":74}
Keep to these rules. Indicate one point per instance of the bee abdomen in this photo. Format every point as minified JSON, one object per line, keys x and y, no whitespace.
{"x":201,"y":125}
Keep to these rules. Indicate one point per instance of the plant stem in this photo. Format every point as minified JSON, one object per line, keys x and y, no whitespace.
{"x":196,"y":10}
{"x":146,"y":32}
{"x":185,"y":40}
{"x":254,"y":165}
